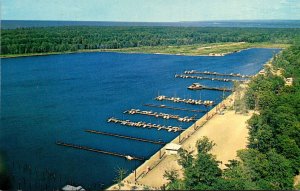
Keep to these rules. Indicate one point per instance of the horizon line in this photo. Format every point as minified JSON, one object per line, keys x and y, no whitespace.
{"x":249,"y":20}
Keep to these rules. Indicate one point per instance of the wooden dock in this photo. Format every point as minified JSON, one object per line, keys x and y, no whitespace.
{"x":98,"y":151}
{"x":197,"y":86}
{"x":142,"y":124}
{"x":160,"y":115}
{"x":208,"y":78}
{"x":186,"y":101}
{"x":125,"y":137}
{"x":217,"y":74}
{"x":175,"y":108}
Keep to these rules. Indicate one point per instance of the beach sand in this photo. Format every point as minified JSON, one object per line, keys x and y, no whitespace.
{"x":228,"y":130}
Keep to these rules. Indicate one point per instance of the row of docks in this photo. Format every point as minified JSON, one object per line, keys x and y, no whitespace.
{"x":187,"y":101}
{"x":208,"y":78}
{"x":142,"y":124}
{"x":217,"y":74}
{"x":80,"y":147}
{"x":125,"y":137}
{"x":197,"y":86}
{"x":161,"y":115}
{"x":175,"y":108}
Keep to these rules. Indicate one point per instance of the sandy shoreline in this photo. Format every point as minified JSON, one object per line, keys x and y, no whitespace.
{"x":229,"y":135}
{"x":110,"y":51}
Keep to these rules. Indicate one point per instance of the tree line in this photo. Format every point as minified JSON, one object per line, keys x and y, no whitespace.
{"x":272,"y":157}
{"x":74,"y":38}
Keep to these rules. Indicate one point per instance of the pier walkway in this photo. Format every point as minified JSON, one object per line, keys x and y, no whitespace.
{"x":125,"y":137}
{"x":98,"y":151}
{"x":186,"y":101}
{"x":175,"y":108}
{"x":217,"y":74}
{"x":197,"y":86}
{"x":161,"y":115}
{"x":208,"y":78}
{"x":142,"y":124}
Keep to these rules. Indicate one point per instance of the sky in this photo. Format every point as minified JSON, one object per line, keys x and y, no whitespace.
{"x":150,"y":10}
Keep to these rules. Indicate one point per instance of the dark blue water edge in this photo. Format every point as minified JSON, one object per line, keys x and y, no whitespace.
{"x":12,"y":24}
{"x":49,"y":98}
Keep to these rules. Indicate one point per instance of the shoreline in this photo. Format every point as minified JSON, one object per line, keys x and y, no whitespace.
{"x":160,"y":155}
{"x":126,"y":51}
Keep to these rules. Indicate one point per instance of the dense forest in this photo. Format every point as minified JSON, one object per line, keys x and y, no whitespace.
{"x":272,"y":157}
{"x":61,"y":39}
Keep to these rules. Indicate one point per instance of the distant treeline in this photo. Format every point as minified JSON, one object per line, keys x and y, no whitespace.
{"x":61,"y":39}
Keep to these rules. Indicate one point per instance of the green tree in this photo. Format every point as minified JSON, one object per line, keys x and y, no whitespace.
{"x":204,"y":145}
{"x":121,"y":174}
{"x":204,"y":172}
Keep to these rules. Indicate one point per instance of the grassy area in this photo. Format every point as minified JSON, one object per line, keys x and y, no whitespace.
{"x":195,"y":50}
{"x":201,"y":49}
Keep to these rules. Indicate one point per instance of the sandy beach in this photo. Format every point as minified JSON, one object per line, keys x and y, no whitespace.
{"x":227,"y":129}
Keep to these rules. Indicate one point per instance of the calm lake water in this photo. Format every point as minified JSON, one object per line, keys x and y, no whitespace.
{"x":53,"y":98}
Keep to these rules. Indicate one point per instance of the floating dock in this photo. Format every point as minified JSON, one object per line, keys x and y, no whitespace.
{"x":217,"y":74}
{"x":161,"y":115}
{"x":142,"y":124}
{"x":208,"y":78}
{"x":197,"y":86}
{"x":175,"y":108}
{"x":98,"y":151}
{"x":126,"y":137}
{"x":187,"y":101}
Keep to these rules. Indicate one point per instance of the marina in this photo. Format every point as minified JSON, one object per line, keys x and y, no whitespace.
{"x":208,"y":78}
{"x":187,"y":101}
{"x":128,"y":157}
{"x":161,"y":115}
{"x":175,"y":108}
{"x":125,"y":137}
{"x":217,"y":74}
{"x":197,"y":86}
{"x":142,"y":124}
{"x":126,"y":81}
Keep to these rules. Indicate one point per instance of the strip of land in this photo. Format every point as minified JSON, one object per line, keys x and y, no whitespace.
{"x":212,"y":49}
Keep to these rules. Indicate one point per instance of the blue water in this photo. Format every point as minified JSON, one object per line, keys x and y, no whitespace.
{"x":12,"y":24}
{"x":45,"y":99}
